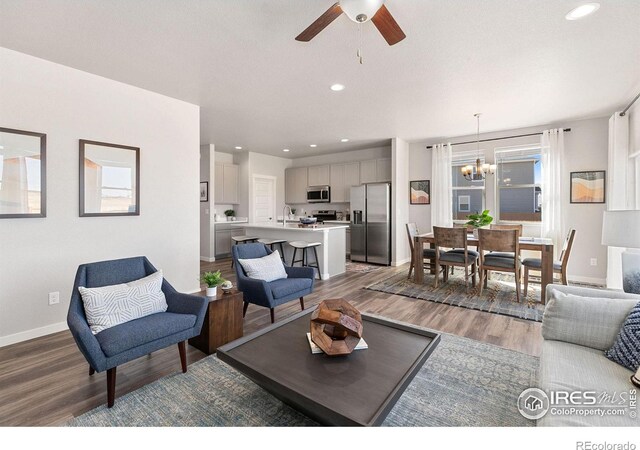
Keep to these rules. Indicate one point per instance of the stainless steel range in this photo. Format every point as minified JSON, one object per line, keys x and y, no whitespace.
{"x":327,"y":214}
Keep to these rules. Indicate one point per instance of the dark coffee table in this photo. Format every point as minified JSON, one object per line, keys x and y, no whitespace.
{"x":358,"y":389}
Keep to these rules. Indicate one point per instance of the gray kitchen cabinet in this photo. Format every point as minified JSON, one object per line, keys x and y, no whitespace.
{"x":368,"y":171}
{"x":223,"y":235}
{"x":226,"y":183}
{"x":348,"y":237}
{"x":383,"y":169}
{"x":343,"y":176}
{"x":318,"y":175}
{"x":295,"y":185}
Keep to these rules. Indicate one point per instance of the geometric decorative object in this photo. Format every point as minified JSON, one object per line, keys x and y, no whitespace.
{"x":336,"y":327}
{"x":420,"y":192}
{"x":588,"y":187}
{"x":22,"y":174}
{"x":109,"y":179}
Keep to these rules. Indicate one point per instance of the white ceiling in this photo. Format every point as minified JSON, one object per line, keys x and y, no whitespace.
{"x":520,"y":63}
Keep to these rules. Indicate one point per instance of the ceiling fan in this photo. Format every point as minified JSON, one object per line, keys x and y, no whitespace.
{"x":360,"y":11}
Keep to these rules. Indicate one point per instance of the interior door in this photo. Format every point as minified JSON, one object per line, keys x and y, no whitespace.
{"x":264,"y":198}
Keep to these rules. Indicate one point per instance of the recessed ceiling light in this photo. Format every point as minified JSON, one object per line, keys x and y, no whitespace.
{"x":337,"y":87}
{"x":285,"y":149}
{"x":238,"y":147}
{"x":582,"y":11}
{"x":313,"y":146}
{"x":344,"y":140}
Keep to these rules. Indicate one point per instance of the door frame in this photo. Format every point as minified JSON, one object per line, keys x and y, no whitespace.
{"x":274,"y":180}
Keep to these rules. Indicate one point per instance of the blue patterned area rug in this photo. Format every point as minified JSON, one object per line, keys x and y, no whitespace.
{"x":464,"y":383}
{"x":498,"y":298}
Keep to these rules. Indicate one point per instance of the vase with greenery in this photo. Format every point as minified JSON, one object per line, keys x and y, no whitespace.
{"x":293,"y":214}
{"x":212,"y":280}
{"x":229,"y":213}
{"x":481,"y":220}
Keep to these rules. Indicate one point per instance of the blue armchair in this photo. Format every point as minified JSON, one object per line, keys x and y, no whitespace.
{"x":270,"y":294}
{"x":127,"y":341}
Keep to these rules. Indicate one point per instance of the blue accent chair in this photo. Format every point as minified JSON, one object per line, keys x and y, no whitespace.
{"x":130,"y":340}
{"x":274,"y":293}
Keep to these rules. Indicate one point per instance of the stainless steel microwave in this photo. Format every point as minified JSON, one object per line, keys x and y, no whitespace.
{"x":318,"y":194}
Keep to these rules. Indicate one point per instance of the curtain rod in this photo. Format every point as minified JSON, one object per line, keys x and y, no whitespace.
{"x":624,"y":113}
{"x":566,"y":130}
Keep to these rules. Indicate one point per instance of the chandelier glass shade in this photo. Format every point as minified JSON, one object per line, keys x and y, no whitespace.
{"x":479,"y":171}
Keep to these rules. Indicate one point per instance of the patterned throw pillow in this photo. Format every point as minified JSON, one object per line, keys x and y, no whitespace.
{"x":626,"y":349}
{"x":267,"y":268}
{"x":109,"y":306}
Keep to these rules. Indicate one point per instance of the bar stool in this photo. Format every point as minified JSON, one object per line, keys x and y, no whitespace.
{"x":304,"y":245}
{"x":243,"y":240}
{"x":272,"y":242}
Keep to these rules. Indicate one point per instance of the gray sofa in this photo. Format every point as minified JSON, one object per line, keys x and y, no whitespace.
{"x":578,"y":325}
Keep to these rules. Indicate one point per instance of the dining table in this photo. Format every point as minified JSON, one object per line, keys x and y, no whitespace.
{"x":542,"y":245}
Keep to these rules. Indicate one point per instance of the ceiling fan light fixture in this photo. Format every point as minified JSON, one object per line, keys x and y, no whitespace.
{"x":361,"y":11}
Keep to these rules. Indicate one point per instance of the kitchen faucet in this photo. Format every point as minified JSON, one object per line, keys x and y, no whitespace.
{"x":284,"y":218}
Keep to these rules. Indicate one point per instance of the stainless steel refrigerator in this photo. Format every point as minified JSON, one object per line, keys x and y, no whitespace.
{"x":371,"y":223}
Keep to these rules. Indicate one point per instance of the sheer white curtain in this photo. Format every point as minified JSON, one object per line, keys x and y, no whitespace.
{"x":441,"y":194}
{"x":553,"y":187}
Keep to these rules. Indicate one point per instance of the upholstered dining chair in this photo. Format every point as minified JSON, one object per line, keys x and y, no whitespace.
{"x":559,"y":267}
{"x":461,"y":256}
{"x":428,"y":254}
{"x":504,"y":246}
{"x":299,"y":281}
{"x":517,"y":227}
{"x":127,"y":341}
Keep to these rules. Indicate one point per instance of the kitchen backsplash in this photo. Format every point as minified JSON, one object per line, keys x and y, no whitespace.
{"x":310,"y":208}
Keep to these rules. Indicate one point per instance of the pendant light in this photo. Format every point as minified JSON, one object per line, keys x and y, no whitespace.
{"x":479,"y":171}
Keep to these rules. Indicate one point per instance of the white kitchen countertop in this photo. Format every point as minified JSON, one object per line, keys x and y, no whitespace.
{"x":343,"y":222}
{"x":295,"y":227}
{"x":231,"y":222}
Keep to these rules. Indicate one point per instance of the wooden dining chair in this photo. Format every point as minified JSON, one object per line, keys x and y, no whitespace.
{"x":502,"y":242}
{"x":559,"y":267}
{"x":461,"y":256}
{"x":428,"y":254}
{"x":515,"y":226}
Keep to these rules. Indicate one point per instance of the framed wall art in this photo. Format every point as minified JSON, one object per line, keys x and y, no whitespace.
{"x":109,"y":179}
{"x":204,"y":191}
{"x":588,"y":187}
{"x":23,"y":180}
{"x":420,"y":192}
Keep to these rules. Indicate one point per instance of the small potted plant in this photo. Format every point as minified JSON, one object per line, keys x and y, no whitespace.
{"x":230,"y":213}
{"x":479,"y":221}
{"x":293,"y":214}
{"x":212,"y":280}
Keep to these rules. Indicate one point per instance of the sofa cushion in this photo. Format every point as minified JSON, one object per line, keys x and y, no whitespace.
{"x":570,"y":367}
{"x":589,"y":321}
{"x":108,"y":306}
{"x":121,"y":338}
{"x":267,"y":268}
{"x":626,"y":348}
{"x":284,"y":287}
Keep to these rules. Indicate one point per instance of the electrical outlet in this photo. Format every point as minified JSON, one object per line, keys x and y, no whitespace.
{"x":594,"y":261}
{"x":54,"y":298}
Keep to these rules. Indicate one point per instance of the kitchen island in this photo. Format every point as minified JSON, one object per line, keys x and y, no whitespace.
{"x":331,"y":252}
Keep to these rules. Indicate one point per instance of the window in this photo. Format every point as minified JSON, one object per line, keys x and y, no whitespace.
{"x":518,"y":181}
{"x":468,"y":196}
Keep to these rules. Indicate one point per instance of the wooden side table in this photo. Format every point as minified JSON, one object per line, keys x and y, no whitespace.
{"x":222,"y":322}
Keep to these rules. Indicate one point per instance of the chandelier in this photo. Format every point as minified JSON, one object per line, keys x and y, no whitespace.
{"x":479,"y":171}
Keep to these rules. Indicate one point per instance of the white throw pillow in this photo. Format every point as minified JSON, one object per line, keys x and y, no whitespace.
{"x":109,"y":306}
{"x":267,"y":268}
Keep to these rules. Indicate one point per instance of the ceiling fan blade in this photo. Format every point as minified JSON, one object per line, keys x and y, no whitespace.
{"x":320,"y":24}
{"x":387,"y":26}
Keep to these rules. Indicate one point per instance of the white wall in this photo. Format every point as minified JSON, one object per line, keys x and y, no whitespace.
{"x":400,"y":163}
{"x":207,"y":173}
{"x":586,"y":149}
{"x":38,"y":256}
{"x":634,"y":149}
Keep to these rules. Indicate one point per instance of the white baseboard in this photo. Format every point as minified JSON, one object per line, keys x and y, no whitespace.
{"x":589,"y":280}
{"x":401,"y":262}
{"x":207,"y":259}
{"x":32,"y":334}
